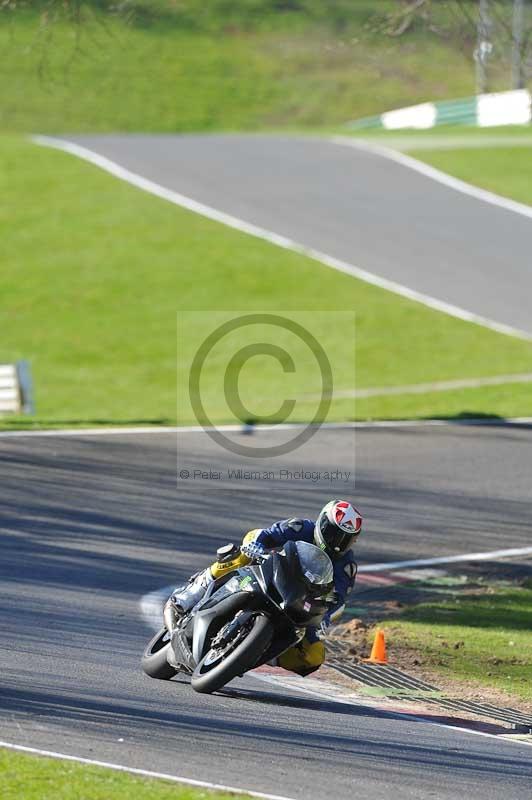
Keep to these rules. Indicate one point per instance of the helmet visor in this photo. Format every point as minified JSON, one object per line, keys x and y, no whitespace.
{"x":336,"y":540}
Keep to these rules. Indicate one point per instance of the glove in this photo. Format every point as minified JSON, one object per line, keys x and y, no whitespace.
{"x":253,"y":550}
{"x":325,"y":625}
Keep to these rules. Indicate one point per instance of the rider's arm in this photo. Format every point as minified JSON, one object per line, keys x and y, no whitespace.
{"x":281,"y":532}
{"x":345,"y":571}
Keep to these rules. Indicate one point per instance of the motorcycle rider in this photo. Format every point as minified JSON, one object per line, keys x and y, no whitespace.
{"x":335,"y":531}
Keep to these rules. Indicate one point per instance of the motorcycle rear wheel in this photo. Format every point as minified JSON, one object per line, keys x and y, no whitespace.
{"x":207,"y":678}
{"x":154,"y":660}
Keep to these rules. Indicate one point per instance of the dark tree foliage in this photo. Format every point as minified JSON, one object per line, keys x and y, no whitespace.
{"x":455,"y":20}
{"x":459,"y":20}
{"x":204,"y":14}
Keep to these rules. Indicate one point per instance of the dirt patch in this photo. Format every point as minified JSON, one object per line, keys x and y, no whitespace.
{"x":353,"y":637}
{"x":351,"y":640}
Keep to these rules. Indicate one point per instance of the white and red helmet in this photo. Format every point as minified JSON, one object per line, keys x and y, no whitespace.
{"x":337,"y":528}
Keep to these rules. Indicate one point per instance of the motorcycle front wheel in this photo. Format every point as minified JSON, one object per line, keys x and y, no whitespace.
{"x":216,"y":669}
{"x":154,"y":660}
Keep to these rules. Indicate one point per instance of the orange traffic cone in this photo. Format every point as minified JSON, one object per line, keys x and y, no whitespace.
{"x":378,"y":651}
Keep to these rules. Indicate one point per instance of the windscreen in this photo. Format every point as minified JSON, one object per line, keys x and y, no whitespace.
{"x":316,"y":565}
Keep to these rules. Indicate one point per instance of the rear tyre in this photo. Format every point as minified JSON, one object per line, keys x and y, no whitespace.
{"x":211,"y":674}
{"x":154,"y":660}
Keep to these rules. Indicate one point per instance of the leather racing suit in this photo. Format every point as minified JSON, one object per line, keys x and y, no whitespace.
{"x":309,"y":654}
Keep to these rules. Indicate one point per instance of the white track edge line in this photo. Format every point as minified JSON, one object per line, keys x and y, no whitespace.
{"x":429,"y":388}
{"x":398,"y":423}
{"x":143,"y":772}
{"x":391,"y":713}
{"x":436,"y":175}
{"x":147,"y":185}
{"x":151,"y":602}
{"x":392,"y":566}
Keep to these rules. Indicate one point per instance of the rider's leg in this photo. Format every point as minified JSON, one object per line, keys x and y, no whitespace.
{"x":305,"y":657}
{"x":186,"y":597}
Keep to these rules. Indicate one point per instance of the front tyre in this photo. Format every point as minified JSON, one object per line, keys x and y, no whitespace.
{"x":154,"y":660}
{"x":214,"y":672}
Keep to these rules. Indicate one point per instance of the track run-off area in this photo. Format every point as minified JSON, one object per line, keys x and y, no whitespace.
{"x":91,"y":523}
{"x":358,"y":207}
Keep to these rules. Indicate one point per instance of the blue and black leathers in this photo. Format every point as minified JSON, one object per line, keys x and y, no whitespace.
{"x":345,"y":567}
{"x":309,"y":654}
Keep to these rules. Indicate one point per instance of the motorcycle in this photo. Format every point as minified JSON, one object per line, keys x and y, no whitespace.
{"x":246,"y":618}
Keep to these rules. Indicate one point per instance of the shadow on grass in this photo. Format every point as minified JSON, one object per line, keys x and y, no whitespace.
{"x":508,"y":609}
{"x":464,"y":418}
{"x":479,"y":418}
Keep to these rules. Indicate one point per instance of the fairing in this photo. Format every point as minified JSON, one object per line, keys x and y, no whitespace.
{"x":289,"y":586}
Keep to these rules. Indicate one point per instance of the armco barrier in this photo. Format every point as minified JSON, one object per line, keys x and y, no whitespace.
{"x":484,"y":110}
{"x":16,"y":389}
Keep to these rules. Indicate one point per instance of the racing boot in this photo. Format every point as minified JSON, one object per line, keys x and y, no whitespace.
{"x":228,"y":558}
{"x":184,"y":598}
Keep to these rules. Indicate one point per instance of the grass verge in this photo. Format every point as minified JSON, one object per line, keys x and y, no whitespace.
{"x":95,"y":273}
{"x":479,"y":640}
{"x":29,"y":777}
{"x":503,"y":170}
{"x":226,"y":67}
{"x":497,"y":159}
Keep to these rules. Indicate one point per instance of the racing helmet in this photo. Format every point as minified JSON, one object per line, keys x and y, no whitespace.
{"x":337,"y":528}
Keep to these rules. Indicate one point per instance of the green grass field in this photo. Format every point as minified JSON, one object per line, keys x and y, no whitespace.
{"x":498,"y":159}
{"x":481,"y":638}
{"x":504,"y":170}
{"x":96,"y":273}
{"x":219,"y":66}
{"x":29,"y":777}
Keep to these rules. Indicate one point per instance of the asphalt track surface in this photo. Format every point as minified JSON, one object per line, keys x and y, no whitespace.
{"x":353,"y":205}
{"x":89,"y":524}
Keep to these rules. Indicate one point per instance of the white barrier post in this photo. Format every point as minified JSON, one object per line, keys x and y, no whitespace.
{"x":25,"y":383}
{"x":16,"y":389}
